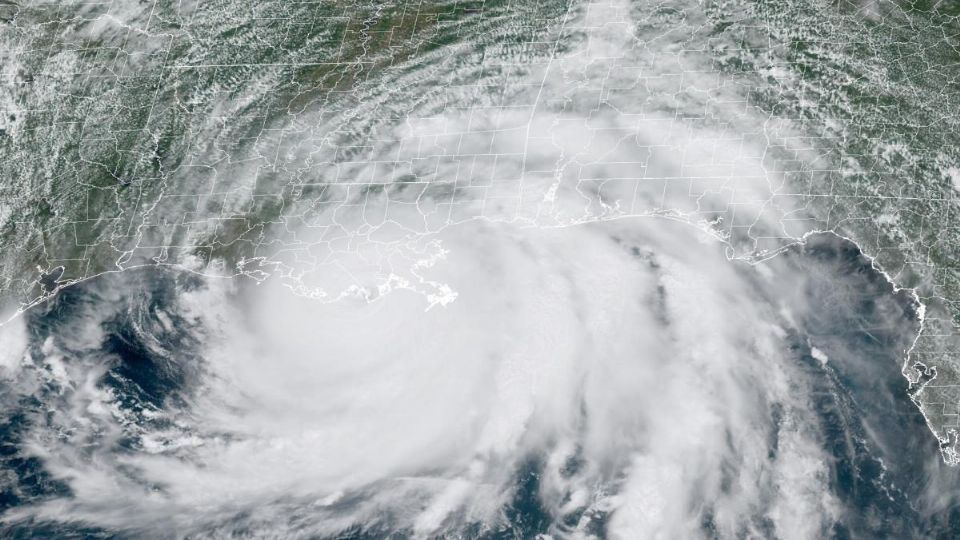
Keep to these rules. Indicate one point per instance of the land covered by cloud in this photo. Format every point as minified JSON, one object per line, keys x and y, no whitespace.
{"x":557,"y":286}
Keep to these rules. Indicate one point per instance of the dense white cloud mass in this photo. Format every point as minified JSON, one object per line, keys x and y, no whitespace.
{"x":13,"y":345}
{"x":567,"y":329}
{"x":630,"y":359}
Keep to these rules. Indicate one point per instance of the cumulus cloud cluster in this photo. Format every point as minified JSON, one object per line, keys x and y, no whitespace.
{"x":631,"y":361}
{"x":570,"y":306}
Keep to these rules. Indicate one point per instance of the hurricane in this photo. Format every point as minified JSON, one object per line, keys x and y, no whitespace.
{"x":573,"y":270}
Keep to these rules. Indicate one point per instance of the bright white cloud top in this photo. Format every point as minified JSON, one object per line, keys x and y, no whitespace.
{"x":577,"y":292}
